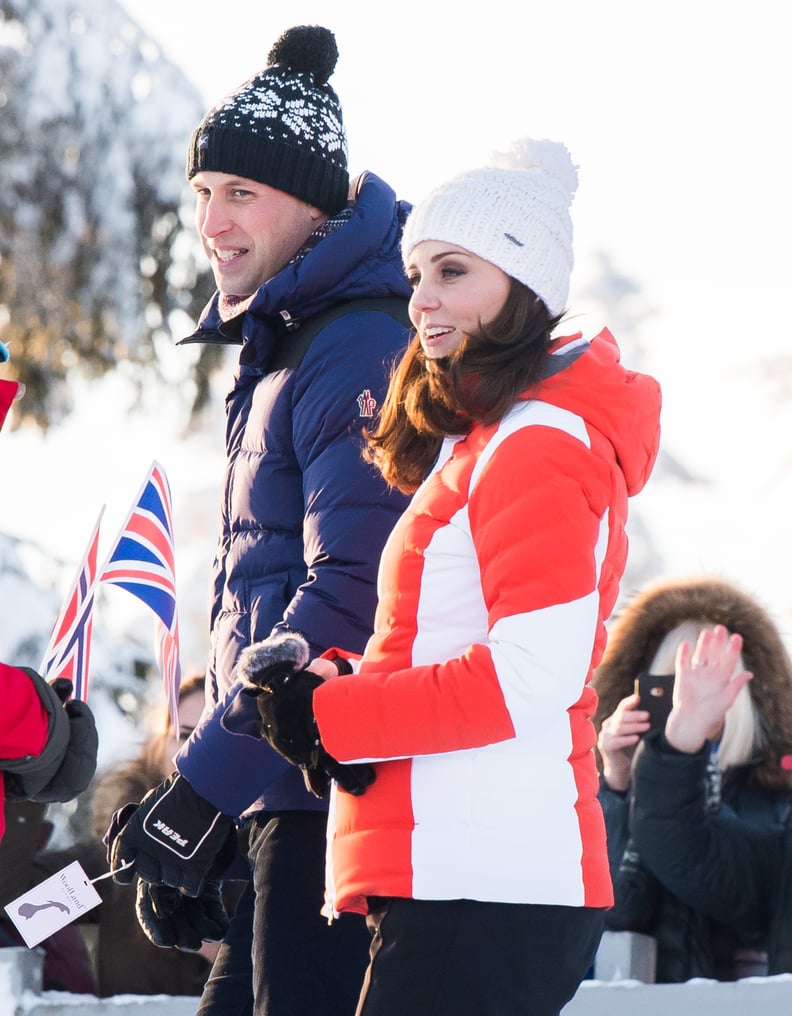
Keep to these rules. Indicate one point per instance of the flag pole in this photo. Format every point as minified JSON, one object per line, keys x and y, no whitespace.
{"x":70,"y":614}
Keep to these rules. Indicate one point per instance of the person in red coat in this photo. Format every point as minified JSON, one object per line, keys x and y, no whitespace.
{"x":48,"y":742}
{"x":9,"y":390}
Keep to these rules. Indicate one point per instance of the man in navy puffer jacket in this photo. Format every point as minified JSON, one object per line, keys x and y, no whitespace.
{"x":310,"y":283}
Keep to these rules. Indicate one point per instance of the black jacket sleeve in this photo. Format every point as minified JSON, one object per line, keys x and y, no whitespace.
{"x":715,"y":862}
{"x":634,"y":888}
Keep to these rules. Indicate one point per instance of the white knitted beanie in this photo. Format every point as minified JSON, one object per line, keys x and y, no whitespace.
{"x":514,"y":213}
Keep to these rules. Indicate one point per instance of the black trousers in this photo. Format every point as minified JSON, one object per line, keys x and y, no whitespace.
{"x":448,"y":957}
{"x":280,"y":957}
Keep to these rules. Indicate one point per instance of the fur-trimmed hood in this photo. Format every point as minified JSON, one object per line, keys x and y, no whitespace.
{"x":638,"y":629}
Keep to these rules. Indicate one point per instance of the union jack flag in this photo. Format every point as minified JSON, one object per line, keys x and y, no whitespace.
{"x":68,"y":653}
{"x":142,"y":562}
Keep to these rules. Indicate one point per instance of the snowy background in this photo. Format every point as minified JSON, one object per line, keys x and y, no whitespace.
{"x":677,"y":116}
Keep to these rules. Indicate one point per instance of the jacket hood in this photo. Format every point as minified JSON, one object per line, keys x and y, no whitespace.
{"x":638,"y":629}
{"x":621,"y":404}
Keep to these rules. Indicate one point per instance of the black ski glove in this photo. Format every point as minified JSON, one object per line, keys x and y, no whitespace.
{"x":173,"y":837}
{"x":67,"y":762}
{"x":172,"y":920}
{"x":284,"y":696}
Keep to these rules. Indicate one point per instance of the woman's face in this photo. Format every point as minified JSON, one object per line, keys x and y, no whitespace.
{"x":454,"y":293}
{"x":190,"y":709}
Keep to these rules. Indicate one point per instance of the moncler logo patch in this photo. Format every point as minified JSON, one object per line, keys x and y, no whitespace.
{"x":367,"y":403}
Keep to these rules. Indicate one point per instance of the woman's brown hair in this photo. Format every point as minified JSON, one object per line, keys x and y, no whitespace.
{"x":479,"y":382}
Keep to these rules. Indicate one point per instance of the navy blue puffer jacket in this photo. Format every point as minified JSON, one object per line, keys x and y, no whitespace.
{"x":303,"y":517}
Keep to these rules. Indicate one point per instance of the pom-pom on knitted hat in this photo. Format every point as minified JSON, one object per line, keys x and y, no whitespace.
{"x":284,"y":126}
{"x":514,"y":213}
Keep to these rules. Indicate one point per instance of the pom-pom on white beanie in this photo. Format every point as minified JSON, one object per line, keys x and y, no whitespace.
{"x":514,"y":213}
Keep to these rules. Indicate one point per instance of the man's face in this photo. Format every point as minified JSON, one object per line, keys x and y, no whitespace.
{"x":249,"y":230}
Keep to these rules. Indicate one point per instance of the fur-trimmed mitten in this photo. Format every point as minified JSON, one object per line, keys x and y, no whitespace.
{"x":274,"y":671}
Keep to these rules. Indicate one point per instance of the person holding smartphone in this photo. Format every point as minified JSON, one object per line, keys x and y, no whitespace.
{"x":734,"y":871}
{"x":743,"y":776}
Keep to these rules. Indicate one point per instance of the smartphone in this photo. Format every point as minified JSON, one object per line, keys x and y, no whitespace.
{"x":656,"y":692}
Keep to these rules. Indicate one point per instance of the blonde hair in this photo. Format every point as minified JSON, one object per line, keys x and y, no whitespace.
{"x":743,"y":735}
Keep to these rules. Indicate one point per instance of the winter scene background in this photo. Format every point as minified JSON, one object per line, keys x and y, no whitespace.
{"x":677,"y":116}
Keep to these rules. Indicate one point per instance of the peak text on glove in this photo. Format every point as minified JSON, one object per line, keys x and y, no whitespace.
{"x":170,"y":833}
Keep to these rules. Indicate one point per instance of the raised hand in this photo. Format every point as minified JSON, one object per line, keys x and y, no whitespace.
{"x":708,"y":680}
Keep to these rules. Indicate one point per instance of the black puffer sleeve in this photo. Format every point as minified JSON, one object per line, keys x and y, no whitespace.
{"x":715,"y":862}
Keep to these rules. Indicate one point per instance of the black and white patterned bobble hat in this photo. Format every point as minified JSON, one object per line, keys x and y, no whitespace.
{"x":513,"y":213}
{"x":284,"y":126}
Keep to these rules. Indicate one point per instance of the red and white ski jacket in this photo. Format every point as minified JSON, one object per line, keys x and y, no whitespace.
{"x":473,"y":697}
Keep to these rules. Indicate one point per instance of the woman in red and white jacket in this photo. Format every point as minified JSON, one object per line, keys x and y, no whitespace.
{"x":465,"y":821}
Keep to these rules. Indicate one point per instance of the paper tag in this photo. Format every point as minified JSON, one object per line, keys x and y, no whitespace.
{"x":52,"y":904}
